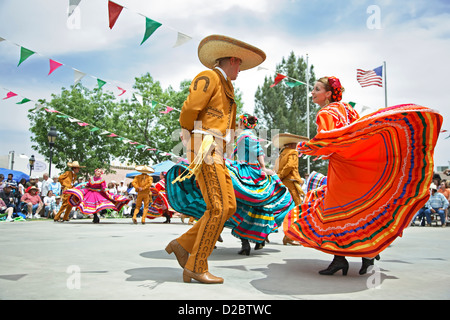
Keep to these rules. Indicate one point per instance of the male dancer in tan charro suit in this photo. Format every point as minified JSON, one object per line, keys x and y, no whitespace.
{"x":207,"y":116}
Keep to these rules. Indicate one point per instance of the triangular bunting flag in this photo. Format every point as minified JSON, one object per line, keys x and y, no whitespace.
{"x":104,"y":132}
{"x":54,"y":65}
{"x":352,"y":104}
{"x":168,"y":109}
{"x":78,"y":75}
{"x":83,"y":124}
{"x":94,"y":129}
{"x":150,"y":27}
{"x":25,"y":100}
{"x":154,"y":104}
{"x":10,"y":95}
{"x":100,"y":83}
{"x":1,"y":39}
{"x":139,"y":98}
{"x":181,"y":39}
{"x":114,"y":11}
{"x":294,"y":84}
{"x":123,"y":91}
{"x":24,"y":54}
{"x":278,"y":78}
{"x":112,"y":135}
{"x":140,"y":146}
{"x":62,"y":116}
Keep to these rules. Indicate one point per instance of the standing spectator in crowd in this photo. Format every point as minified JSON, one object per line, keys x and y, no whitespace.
{"x":33,"y":202}
{"x":45,"y":185}
{"x":12,"y":182}
{"x":436,"y":204}
{"x":55,"y":186}
{"x":22,"y":186}
{"x":2,"y":182}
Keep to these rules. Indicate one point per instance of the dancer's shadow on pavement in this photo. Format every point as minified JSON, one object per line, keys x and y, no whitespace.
{"x":301,"y":277}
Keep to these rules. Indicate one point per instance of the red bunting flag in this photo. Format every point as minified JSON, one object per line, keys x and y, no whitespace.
{"x":54,"y":65}
{"x":83,"y":124}
{"x":114,"y":12}
{"x":123,"y":91}
{"x":168,"y":109}
{"x":278,"y":78}
{"x":10,"y":95}
{"x":112,"y":135}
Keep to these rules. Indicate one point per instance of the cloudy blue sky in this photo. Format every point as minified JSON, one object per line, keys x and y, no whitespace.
{"x":413,"y":37}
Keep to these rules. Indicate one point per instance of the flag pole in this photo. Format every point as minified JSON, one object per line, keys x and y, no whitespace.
{"x":385,"y":84}
{"x":307,"y":105}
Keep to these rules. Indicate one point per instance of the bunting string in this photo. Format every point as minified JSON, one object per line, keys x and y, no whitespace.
{"x":81,"y":123}
{"x":78,"y":75}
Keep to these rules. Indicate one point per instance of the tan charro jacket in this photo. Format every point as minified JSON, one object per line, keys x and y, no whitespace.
{"x":67,"y":179}
{"x":210,"y":105}
{"x":287,"y":165}
{"x":143,"y":181}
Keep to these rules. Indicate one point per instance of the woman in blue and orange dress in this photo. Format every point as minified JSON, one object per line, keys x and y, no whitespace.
{"x":93,"y":197}
{"x":262,"y":200}
{"x":379,"y":172}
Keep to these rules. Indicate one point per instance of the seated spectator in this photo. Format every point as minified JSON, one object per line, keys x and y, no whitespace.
{"x":33,"y":202}
{"x":55,"y":186}
{"x":49,"y":203}
{"x":436,"y":204}
{"x":9,"y":197}
{"x":6,"y":210}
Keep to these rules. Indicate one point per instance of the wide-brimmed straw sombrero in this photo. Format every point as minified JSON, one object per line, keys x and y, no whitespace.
{"x":144,"y":169}
{"x":216,"y":46}
{"x":280,"y":140}
{"x":75,"y":164}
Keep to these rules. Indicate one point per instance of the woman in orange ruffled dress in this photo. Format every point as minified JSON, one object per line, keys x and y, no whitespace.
{"x":379,"y":172}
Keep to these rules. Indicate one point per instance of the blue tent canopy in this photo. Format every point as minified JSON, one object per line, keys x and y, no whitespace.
{"x":160,"y":167}
{"x":17,"y":175}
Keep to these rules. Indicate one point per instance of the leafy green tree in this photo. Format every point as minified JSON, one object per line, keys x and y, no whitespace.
{"x":284,"y":107}
{"x":75,"y":142}
{"x":145,"y":124}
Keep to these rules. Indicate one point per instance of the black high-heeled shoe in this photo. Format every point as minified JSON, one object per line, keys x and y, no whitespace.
{"x":245,"y":248}
{"x":96,"y":219}
{"x":366,"y":263}
{"x":260,"y":245}
{"x":338,"y":263}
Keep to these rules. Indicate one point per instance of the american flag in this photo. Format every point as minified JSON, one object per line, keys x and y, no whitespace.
{"x":370,"y":78}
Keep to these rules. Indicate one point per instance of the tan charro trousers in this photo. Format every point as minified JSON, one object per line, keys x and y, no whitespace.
{"x":65,"y":207}
{"x":217,"y":189}
{"x":293,"y":190}
{"x":145,"y":197}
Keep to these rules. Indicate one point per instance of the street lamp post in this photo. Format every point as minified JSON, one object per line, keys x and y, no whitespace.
{"x":52,"y":135}
{"x":31,"y":161}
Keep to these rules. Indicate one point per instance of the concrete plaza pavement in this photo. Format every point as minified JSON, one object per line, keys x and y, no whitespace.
{"x":117,"y":260}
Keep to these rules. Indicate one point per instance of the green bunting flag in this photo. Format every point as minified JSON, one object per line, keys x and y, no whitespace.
{"x":140,"y":146}
{"x":150,"y":27}
{"x":25,"y":100}
{"x":154,"y":103}
{"x":94,"y":129}
{"x":352,"y":104}
{"x":24,"y":54}
{"x":293,"y":84}
{"x":100,"y":83}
